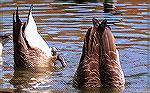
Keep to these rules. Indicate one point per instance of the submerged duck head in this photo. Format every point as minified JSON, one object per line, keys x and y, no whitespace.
{"x":99,"y":65}
{"x":30,"y":49}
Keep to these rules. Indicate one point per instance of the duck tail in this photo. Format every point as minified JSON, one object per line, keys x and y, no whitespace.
{"x":111,"y":73}
{"x":101,"y":27}
{"x":87,"y":74}
{"x":30,"y":11}
{"x":19,"y":41}
{"x":99,"y":65}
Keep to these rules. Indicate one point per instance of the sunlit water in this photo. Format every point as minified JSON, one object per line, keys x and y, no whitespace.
{"x":63,"y":24}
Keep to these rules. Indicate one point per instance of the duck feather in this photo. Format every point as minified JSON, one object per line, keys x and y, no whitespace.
{"x":30,"y":50}
{"x":99,"y":65}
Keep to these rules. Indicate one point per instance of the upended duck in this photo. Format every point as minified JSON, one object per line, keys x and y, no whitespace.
{"x":30,"y":50}
{"x":99,"y":65}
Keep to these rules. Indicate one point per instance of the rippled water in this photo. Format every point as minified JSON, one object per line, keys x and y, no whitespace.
{"x":63,"y":24}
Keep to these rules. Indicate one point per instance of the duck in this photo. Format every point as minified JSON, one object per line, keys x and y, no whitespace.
{"x":30,"y":49}
{"x":99,"y":65}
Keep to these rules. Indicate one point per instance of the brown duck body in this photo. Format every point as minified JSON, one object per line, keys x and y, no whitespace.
{"x":25,"y":54}
{"x":99,"y":65}
{"x":33,"y":57}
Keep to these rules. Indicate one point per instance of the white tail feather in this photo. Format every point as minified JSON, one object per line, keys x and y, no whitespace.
{"x":123,"y":79}
{"x":1,"y":48}
{"x":33,"y":37}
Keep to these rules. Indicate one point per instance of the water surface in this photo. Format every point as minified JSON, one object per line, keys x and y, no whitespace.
{"x":63,"y":24}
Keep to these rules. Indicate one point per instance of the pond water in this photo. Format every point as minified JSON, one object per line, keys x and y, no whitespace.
{"x":63,"y":24}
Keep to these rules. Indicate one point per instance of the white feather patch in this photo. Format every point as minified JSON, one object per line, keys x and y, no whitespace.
{"x":33,"y":37}
{"x":122,"y":75}
{"x":1,"y":49}
{"x":117,"y":53}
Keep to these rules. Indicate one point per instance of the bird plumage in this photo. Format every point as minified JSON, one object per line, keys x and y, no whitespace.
{"x":30,"y":50}
{"x":33,"y":37}
{"x":1,"y":48}
{"x":99,"y":65}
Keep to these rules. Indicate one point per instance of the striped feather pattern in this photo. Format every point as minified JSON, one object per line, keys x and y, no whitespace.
{"x":99,"y":65}
{"x":87,"y":74}
{"x":111,"y":72}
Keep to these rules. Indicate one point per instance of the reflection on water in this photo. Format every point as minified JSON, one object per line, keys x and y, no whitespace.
{"x":30,"y":78}
{"x":63,"y":24}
